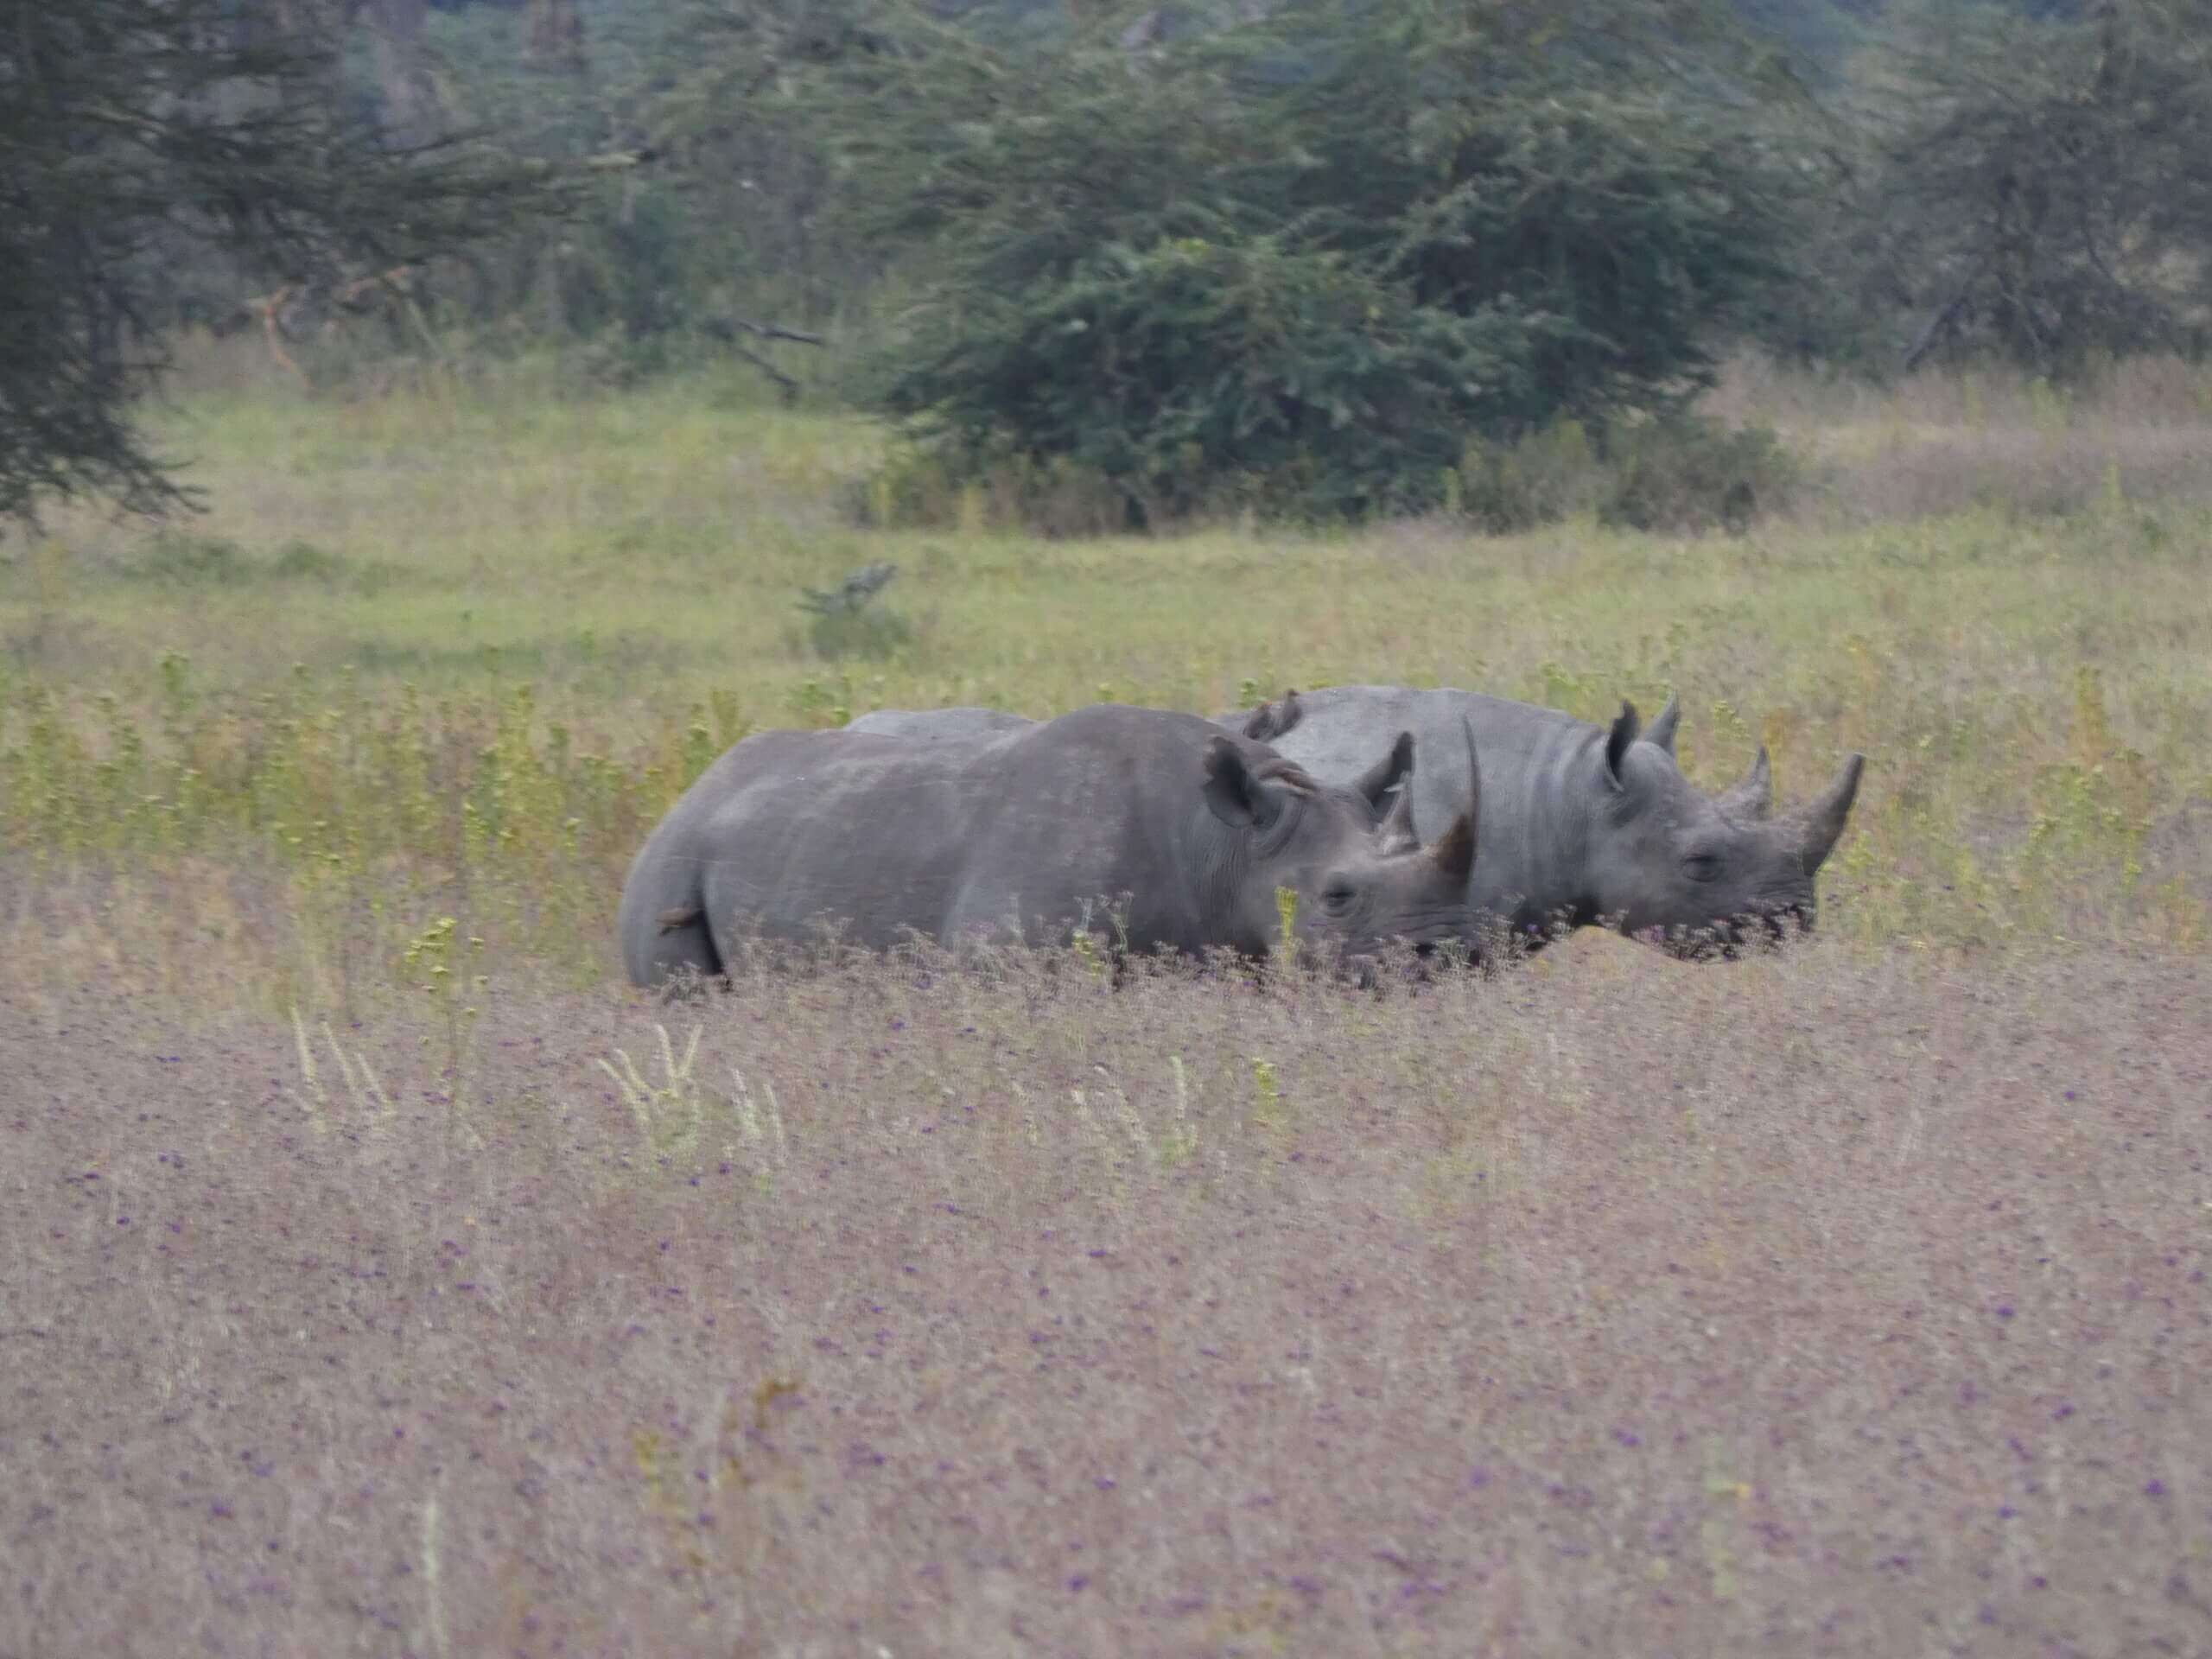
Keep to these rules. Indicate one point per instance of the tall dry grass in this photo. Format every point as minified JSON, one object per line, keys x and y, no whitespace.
{"x":1820,"y":1305}
{"x":2135,"y":441}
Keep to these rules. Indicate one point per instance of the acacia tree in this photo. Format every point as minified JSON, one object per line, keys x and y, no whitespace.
{"x":1314,"y":251}
{"x":132,"y":131}
{"x":2043,"y":177}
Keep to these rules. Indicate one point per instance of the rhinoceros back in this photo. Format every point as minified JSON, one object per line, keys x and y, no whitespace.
{"x":1099,"y":812}
{"x":1527,"y":755}
{"x":864,"y":835}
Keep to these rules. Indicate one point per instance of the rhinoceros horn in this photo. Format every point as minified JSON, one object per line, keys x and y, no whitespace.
{"x":1455,"y":853}
{"x":1662,"y":728}
{"x":1752,"y":797}
{"x":1820,"y":824}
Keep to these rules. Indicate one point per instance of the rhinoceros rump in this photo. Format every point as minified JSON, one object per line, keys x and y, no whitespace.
{"x":1582,"y":823}
{"x":1151,"y":829}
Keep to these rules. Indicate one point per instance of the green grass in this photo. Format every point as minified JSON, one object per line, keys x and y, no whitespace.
{"x":457,"y":644}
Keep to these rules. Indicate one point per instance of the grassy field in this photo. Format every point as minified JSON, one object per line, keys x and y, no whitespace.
{"x":459,"y":646}
{"x":373,"y":1279}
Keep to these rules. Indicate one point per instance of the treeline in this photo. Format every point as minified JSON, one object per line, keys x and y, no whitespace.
{"x":1322,"y":256}
{"x":2017,"y":176}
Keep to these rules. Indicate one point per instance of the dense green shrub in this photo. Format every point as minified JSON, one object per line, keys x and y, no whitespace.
{"x":1179,"y":368}
{"x":1304,"y":262}
{"x":138,"y":137}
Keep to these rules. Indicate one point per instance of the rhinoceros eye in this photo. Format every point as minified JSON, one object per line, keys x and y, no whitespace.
{"x":1337,"y":895}
{"x":1701,"y":867}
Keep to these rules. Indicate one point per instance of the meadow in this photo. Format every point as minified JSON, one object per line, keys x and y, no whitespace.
{"x":379,"y":1273}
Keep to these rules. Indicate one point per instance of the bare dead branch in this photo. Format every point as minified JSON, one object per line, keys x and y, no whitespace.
{"x":722,"y":329}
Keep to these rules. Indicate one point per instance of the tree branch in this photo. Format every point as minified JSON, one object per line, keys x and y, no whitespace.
{"x":725,"y":328}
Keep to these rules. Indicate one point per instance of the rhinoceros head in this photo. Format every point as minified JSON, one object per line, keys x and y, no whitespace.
{"x":1360,"y":874}
{"x":1692,"y":868}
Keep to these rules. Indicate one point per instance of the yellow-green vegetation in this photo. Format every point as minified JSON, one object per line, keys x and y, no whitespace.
{"x":449,"y":649}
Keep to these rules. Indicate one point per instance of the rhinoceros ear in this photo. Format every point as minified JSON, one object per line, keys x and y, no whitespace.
{"x":1618,"y":741}
{"x":1397,"y":833}
{"x":1271,"y":720}
{"x":1233,"y":794}
{"x":1386,"y":773}
{"x":1662,"y":729}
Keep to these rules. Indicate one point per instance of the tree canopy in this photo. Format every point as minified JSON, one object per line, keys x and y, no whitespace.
{"x":136,"y":135}
{"x":1299,"y":252}
{"x":2043,"y":176}
{"x":1319,"y":251}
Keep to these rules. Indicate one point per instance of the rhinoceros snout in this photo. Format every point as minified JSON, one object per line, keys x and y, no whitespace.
{"x":1768,"y":928}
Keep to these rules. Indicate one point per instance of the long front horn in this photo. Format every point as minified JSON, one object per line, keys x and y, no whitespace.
{"x":1824,"y":819}
{"x":1455,"y":853}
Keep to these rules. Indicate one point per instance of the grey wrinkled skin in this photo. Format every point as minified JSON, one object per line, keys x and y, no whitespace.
{"x":967,"y":723}
{"x":1582,"y":823}
{"x":940,"y":725}
{"x":1150,"y":828}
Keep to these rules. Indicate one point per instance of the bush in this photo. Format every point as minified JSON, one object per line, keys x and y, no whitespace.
{"x":1539,"y":480}
{"x":1193,"y":365}
{"x":934,"y":487}
{"x":179,"y":558}
{"x":873,"y":634}
{"x":1212,"y":273}
{"x":1684,"y":474}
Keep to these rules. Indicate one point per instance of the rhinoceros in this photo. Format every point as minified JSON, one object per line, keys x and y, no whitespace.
{"x":1150,"y":828}
{"x":939,"y":725}
{"x":967,"y":722}
{"x":1580,"y":823}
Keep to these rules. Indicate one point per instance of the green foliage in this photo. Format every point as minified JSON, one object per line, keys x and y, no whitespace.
{"x":1536,"y":479}
{"x":1215,"y":271}
{"x":873,"y":634}
{"x":703,"y":166}
{"x":135,"y":134}
{"x":926,"y":487}
{"x":173,"y":790}
{"x":1188,"y":369}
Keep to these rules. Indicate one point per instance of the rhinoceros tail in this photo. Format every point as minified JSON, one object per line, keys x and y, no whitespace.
{"x":662,"y":921}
